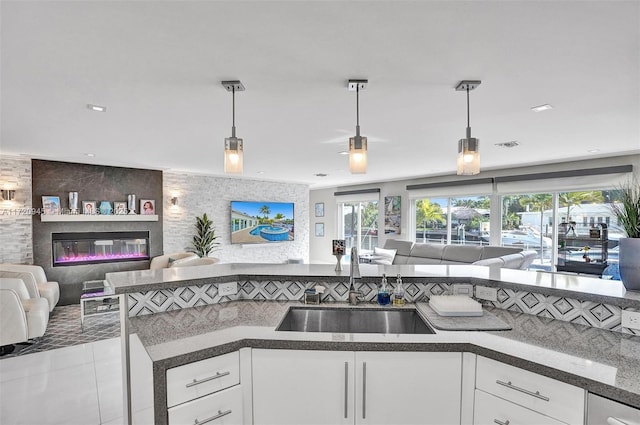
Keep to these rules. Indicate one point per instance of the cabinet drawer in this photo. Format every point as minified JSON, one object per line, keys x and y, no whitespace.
{"x":491,"y":410}
{"x":545,"y":395}
{"x":221,"y":408}
{"x":194,"y":380}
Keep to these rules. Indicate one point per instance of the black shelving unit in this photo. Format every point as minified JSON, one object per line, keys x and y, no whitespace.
{"x":572,"y":255}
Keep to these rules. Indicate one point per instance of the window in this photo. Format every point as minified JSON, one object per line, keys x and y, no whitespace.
{"x":431,"y":220}
{"x":527,"y":224}
{"x":359,"y":225}
{"x":459,"y":220}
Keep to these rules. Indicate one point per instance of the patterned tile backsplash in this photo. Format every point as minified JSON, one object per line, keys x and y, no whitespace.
{"x":604,"y":316}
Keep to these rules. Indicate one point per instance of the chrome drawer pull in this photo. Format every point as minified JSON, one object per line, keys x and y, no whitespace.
{"x":364,"y":390}
{"x":211,"y":378}
{"x":346,"y":389}
{"x":615,"y":421}
{"x":495,"y":421}
{"x":522,"y":390}
{"x":213,"y":418}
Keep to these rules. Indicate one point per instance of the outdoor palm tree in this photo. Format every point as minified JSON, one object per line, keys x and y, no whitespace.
{"x":265,"y":210}
{"x":569,"y":199}
{"x":427,"y":212}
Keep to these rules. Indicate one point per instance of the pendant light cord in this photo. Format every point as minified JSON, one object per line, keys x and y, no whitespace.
{"x":357,"y":109}
{"x":468,"y":106}
{"x":233,"y":111}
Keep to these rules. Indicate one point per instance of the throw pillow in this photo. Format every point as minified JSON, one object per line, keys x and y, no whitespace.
{"x":386,"y":256}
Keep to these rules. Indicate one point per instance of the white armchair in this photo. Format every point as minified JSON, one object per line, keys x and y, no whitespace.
{"x":35,"y":281}
{"x":171,"y":260}
{"x":22,"y":317}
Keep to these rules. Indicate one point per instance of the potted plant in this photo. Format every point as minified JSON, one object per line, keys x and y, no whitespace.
{"x":204,"y":241}
{"x":627,"y":211}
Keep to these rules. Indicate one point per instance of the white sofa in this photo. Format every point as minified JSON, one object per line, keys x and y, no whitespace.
{"x":180,"y":259}
{"x":409,"y":252}
{"x":35,"y":281}
{"x":21,"y":316}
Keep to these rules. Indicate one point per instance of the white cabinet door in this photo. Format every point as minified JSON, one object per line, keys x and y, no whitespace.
{"x":221,"y":408}
{"x":302,"y":387}
{"x":408,"y":388}
{"x":491,"y":410}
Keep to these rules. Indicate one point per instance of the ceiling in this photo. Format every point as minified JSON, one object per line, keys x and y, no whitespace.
{"x":157,"y":67}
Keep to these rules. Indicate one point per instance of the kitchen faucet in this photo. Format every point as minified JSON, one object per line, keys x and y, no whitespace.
{"x":354,"y":273}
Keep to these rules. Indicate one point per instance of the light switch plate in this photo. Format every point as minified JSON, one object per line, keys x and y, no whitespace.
{"x":228,"y":288}
{"x":463,"y":289}
{"x":486,"y":293}
{"x":631,"y":319}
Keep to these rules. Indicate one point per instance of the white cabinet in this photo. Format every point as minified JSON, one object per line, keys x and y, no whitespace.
{"x":538,"y":393}
{"x":323,"y":387}
{"x":201,"y":378}
{"x":491,"y":410}
{"x":206,"y":391}
{"x":302,"y":387}
{"x":221,"y":408}
{"x":408,"y":388}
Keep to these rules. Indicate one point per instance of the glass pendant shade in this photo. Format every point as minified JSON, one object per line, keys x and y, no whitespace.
{"x":358,"y":155}
{"x":468,"y":156}
{"x":233,"y":155}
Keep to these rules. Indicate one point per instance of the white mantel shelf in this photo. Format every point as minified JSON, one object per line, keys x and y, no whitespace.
{"x":97,"y":217}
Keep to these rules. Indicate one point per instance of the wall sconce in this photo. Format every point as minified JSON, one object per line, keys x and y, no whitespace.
{"x":8,"y":194}
{"x":174,"y":201}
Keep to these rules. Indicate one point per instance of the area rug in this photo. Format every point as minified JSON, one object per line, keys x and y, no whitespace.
{"x":64,"y":330}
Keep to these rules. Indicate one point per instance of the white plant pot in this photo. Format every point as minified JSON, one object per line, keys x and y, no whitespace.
{"x":629,"y":263}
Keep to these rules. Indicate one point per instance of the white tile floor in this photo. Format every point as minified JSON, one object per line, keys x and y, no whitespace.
{"x":81,"y":384}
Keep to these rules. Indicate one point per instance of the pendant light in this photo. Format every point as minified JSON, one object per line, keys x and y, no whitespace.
{"x":357,"y":144}
{"x":233,"y":149}
{"x":469,"y":147}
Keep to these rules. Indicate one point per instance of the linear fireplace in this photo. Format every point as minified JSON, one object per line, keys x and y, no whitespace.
{"x":72,"y":249}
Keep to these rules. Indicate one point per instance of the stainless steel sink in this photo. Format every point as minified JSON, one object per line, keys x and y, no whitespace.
{"x":361,"y":320}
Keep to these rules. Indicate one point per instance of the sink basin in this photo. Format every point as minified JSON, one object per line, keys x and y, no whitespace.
{"x":361,"y":320}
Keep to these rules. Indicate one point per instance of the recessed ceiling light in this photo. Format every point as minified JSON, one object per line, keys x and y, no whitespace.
{"x":541,"y":108}
{"x":321,"y":175}
{"x":260,"y":172}
{"x":343,"y":153}
{"x":511,"y":144}
{"x":97,"y":108}
{"x":90,"y":155}
{"x":593,"y":150}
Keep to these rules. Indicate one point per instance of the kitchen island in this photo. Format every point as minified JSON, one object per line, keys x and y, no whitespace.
{"x":599,"y":361}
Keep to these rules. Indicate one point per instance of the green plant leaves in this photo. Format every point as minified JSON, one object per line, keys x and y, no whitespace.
{"x":204,"y":241}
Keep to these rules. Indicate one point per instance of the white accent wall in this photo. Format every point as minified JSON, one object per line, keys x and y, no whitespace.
{"x":16,"y":241}
{"x":198,"y":194}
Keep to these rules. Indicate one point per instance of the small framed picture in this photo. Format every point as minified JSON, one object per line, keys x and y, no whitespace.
{"x":320,"y":230}
{"x":338,"y":246}
{"x":120,"y":208}
{"x":89,"y":207}
{"x":50,"y":205}
{"x":147,"y":206}
{"x":320,"y":209}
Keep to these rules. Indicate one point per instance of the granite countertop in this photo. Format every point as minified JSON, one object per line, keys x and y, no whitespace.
{"x":603,"y":362}
{"x":579,"y":287}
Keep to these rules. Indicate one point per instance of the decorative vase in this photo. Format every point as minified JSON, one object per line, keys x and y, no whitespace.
{"x":131,"y":203}
{"x":73,"y":202}
{"x":629,"y":263}
{"x":105,"y":208}
{"x":339,"y":263}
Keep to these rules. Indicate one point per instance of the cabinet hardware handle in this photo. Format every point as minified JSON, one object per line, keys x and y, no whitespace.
{"x":522,"y":390}
{"x":364,"y":390}
{"x":615,"y":421}
{"x":213,"y":418}
{"x":211,"y":378}
{"x":346,"y":389}
{"x":496,"y":421}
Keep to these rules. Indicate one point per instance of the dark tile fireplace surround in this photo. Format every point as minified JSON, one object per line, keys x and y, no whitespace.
{"x":93,"y":183}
